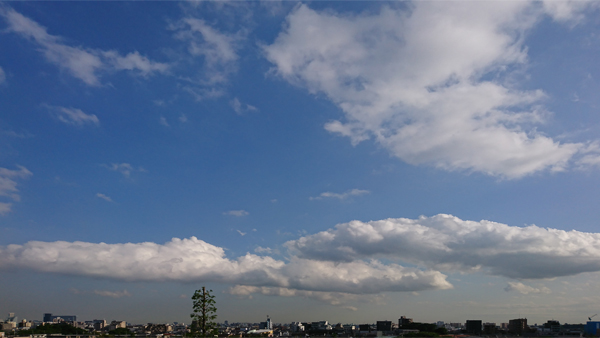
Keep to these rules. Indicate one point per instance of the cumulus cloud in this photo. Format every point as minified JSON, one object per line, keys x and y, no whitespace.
{"x":524,"y":289}
{"x":104,"y":197}
{"x":431,"y":84}
{"x":73,"y":116}
{"x":193,"y":260}
{"x":218,"y":51}
{"x":342,"y":196}
{"x":237,"y":213}
{"x":8,"y":186}
{"x":124,"y":168}
{"x":448,"y":243}
{"x":82,"y":63}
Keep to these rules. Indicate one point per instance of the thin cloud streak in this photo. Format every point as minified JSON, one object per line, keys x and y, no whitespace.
{"x":342,"y":196}
{"x":82,"y":63}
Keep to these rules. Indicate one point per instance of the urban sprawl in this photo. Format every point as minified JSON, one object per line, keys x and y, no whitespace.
{"x":405,"y":327}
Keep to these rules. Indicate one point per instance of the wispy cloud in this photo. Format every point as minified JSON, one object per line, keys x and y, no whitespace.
{"x":163,"y":121}
{"x":183,"y":118}
{"x":241,"y":233}
{"x":82,"y":63}
{"x":2,"y":76}
{"x":112,"y":294}
{"x":104,"y":197}
{"x":73,"y":116}
{"x":12,"y":133}
{"x":124,"y":168}
{"x":240,"y":108}
{"x":103,"y":293}
{"x":261,"y":250}
{"x":237,"y":213}
{"x":217,"y":50}
{"x":8,"y":186}
{"x":342,"y":196}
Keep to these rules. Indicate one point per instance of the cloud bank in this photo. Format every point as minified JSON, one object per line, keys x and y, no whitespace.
{"x":447,"y":243}
{"x":353,"y":258}
{"x":193,"y":260}
{"x":432,"y":84}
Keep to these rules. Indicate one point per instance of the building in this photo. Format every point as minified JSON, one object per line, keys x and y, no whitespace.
{"x":552,"y":325}
{"x":592,"y":328}
{"x":404,"y":321}
{"x":384,"y":325}
{"x":489,"y":328}
{"x":473,"y":326}
{"x":517,"y":326}
{"x":49,"y":318}
{"x":268,"y":325}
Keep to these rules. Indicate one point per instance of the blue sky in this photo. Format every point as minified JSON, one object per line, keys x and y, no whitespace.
{"x":341,"y":161}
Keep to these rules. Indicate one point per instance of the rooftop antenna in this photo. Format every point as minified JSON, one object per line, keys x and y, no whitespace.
{"x":590,"y":318}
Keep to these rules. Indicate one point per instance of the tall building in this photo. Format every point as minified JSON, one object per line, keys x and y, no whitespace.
{"x":473,"y":326}
{"x":404,"y":321}
{"x":517,"y":326}
{"x":384,"y":325}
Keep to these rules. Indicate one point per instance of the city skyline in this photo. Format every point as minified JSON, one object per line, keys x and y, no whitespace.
{"x":319,"y":161}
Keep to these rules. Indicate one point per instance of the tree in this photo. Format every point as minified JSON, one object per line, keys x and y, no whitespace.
{"x":204,"y":315}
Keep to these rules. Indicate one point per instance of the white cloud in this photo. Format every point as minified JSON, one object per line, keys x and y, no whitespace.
{"x":237,"y":213}
{"x":135,"y":62}
{"x":73,"y":116}
{"x":431,"y":84}
{"x":262,"y":250}
{"x":342,"y":196}
{"x":124,"y":168}
{"x":448,"y":243}
{"x":193,"y":260}
{"x":82,"y":63}
{"x":2,"y":76}
{"x":104,"y":197}
{"x":218,"y":51}
{"x":240,"y":107}
{"x":570,"y":11}
{"x":524,"y":289}
{"x":8,"y":186}
{"x":241,"y":233}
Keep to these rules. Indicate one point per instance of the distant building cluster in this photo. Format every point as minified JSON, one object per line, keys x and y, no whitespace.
{"x":519,"y":327}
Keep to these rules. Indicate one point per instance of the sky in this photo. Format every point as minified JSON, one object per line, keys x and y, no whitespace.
{"x":329,"y":160}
